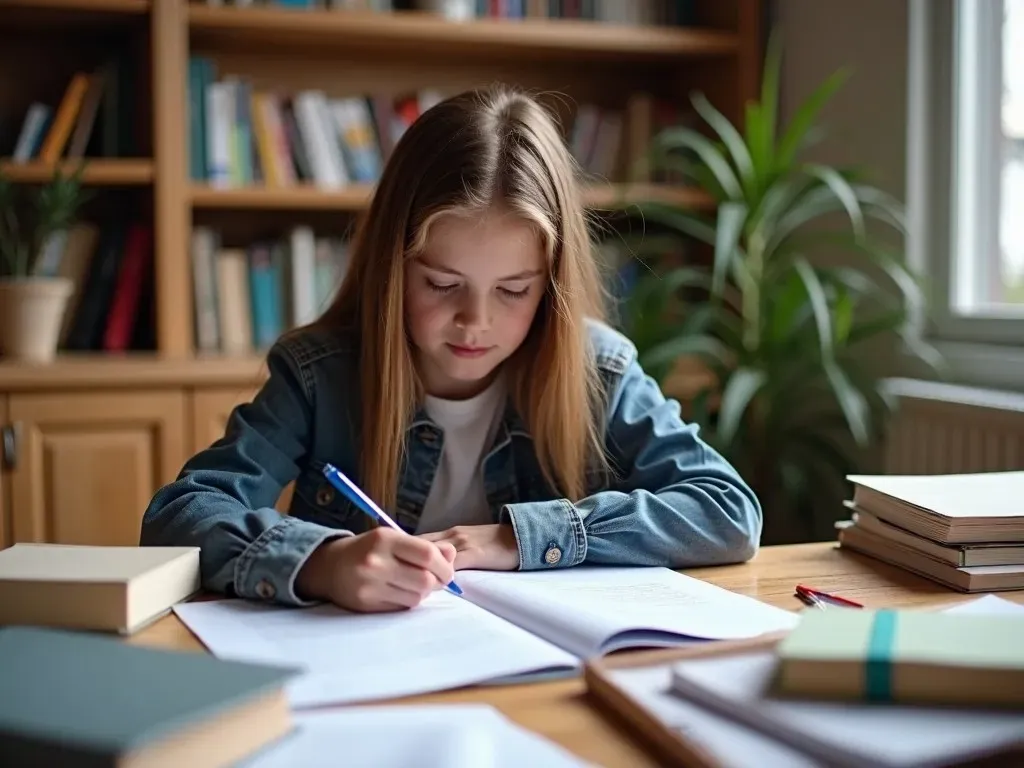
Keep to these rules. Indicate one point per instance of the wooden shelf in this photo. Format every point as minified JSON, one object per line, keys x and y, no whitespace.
{"x":297,"y":198}
{"x":98,"y":172}
{"x":75,"y":371}
{"x":425,"y":33}
{"x":357,"y":197}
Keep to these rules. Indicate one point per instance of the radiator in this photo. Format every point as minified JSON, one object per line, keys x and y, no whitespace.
{"x":942,"y":428}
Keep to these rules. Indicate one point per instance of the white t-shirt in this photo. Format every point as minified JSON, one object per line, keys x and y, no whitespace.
{"x":457,"y":496}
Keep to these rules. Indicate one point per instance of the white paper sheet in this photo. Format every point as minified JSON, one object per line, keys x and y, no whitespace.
{"x":988,"y":604}
{"x":424,"y":736}
{"x":982,"y":494}
{"x":591,"y":610}
{"x":445,"y":642}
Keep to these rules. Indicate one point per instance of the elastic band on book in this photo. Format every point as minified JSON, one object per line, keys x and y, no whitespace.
{"x":878,"y":668}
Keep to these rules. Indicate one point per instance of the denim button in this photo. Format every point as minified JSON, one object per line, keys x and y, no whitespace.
{"x":265,"y":589}
{"x":552,"y":556}
{"x":324,"y":495}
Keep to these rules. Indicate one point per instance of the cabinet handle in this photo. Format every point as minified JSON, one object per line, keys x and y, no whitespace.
{"x":9,"y":437}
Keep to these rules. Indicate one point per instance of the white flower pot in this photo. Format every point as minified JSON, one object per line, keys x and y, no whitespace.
{"x":31,"y":312}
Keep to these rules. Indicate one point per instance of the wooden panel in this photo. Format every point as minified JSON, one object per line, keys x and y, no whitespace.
{"x":172,"y":218}
{"x":89,"y":464}
{"x":131,"y":371}
{"x":211,"y":408}
{"x":428,"y":36}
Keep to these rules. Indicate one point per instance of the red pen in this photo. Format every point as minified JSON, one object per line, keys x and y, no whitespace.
{"x":817,"y":593}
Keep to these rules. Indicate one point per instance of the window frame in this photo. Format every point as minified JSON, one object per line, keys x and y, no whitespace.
{"x":982,"y":349}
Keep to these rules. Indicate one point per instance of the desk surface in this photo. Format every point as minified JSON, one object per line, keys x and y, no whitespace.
{"x":560,"y":711}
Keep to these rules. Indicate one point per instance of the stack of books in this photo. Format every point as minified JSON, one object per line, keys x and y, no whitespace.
{"x":74,"y":693}
{"x":962,"y":530}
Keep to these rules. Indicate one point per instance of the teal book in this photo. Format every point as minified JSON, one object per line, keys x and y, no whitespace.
{"x":908,"y":656}
{"x":85,"y":700}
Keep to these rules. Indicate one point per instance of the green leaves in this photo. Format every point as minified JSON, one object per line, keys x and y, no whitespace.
{"x":782,"y":333}
{"x":796,"y":135}
{"x":27,"y":221}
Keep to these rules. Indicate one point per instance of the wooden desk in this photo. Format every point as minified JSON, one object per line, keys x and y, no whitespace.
{"x":560,"y":711}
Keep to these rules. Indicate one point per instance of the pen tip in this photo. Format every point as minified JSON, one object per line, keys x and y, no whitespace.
{"x":455,"y":588}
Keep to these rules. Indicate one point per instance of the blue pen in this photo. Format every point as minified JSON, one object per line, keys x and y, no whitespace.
{"x":365,"y":503}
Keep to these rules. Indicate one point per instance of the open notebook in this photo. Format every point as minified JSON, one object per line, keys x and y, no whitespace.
{"x":506,"y":625}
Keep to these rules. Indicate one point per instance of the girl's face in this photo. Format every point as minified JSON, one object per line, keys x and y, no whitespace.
{"x":471,"y":297}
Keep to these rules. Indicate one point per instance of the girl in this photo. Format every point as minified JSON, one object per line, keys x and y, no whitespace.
{"x":464,"y":379}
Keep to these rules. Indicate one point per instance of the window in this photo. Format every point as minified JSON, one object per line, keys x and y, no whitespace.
{"x":966,"y":176}
{"x":988,"y":274}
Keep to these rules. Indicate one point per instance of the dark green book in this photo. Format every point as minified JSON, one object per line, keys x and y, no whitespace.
{"x":92,"y":701}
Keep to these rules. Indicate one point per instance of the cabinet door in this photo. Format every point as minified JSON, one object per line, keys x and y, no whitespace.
{"x":88,"y":464}
{"x":211,"y":407}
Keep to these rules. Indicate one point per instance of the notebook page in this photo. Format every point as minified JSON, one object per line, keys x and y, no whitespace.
{"x":591,"y":610}
{"x":986,"y":494}
{"x":432,"y":736}
{"x":847,"y":733}
{"x":443,"y":643}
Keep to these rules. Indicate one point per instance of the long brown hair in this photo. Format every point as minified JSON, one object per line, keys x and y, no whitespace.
{"x":490,"y":147}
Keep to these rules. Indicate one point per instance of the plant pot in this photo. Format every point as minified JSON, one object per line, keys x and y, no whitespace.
{"x":31,"y":312}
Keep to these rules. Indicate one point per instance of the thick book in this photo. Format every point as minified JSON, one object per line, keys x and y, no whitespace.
{"x":976,"y":578}
{"x":914,"y":657}
{"x":507,"y":626}
{"x":957,"y":555}
{"x":84,"y":700}
{"x":951,"y":509}
{"x":111,"y":589}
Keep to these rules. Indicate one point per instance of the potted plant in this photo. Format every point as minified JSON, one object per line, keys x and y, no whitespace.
{"x":33,"y":296}
{"x":794,"y":398}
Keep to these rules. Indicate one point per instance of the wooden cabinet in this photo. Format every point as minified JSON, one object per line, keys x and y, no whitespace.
{"x":87,"y":464}
{"x":211,"y":407}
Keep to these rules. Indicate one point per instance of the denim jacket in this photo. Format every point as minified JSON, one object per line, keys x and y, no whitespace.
{"x":673,"y":501}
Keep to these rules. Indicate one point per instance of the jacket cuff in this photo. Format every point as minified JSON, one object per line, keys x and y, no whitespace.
{"x":266,"y":570}
{"x":550,"y":534}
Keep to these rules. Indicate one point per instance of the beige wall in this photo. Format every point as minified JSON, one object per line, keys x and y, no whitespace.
{"x":866,"y":121}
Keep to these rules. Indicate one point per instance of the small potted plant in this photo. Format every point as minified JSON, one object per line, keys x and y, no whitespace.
{"x":33,"y":295}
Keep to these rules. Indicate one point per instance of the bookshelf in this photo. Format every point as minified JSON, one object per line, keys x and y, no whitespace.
{"x":121,"y":401}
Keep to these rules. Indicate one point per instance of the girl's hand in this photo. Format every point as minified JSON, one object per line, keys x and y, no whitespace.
{"x":486,"y":547}
{"x":380,"y":570}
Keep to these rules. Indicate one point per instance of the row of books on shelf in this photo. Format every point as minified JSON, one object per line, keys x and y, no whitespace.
{"x":241,"y":136}
{"x":110,"y":267}
{"x":247,"y":296}
{"x":93,"y":118}
{"x":965,"y":531}
{"x":638,"y":12}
